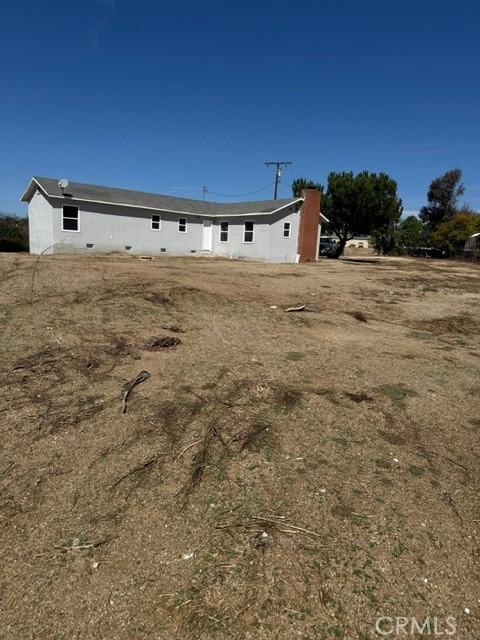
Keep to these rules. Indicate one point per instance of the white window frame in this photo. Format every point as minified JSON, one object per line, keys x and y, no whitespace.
{"x":72,"y":206}
{"x":159,"y":222}
{"x":220,"y":231}
{"x":252,"y":232}
{"x":186,"y":225}
{"x":289,"y":229}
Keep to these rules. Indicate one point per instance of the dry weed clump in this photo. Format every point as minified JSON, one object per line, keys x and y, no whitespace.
{"x":463,"y":325}
{"x":172,"y":417}
{"x":157,"y":297}
{"x":154,"y":343}
{"x":232,"y":420}
{"x":358,"y":315}
{"x":286,"y":397}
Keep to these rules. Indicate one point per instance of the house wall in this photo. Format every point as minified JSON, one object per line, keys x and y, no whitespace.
{"x":284,"y":249}
{"x":40,"y":224}
{"x":235,"y":247}
{"x":112,"y":228}
{"x":269,"y":243}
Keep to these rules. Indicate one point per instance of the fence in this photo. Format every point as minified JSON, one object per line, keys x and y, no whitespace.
{"x":471,"y":253}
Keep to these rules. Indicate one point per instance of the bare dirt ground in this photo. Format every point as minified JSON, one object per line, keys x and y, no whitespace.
{"x":279,"y":475}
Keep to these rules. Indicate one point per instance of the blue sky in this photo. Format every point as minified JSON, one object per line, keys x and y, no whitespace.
{"x":168,"y":97}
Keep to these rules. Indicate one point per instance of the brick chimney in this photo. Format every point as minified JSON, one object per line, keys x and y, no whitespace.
{"x":308,"y":228}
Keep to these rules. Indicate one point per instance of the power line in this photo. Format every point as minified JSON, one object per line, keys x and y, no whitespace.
{"x":205,"y":190}
{"x":235,"y":195}
{"x":278,"y":172}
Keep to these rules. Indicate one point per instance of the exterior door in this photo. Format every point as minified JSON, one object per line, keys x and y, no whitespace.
{"x":207,"y":231}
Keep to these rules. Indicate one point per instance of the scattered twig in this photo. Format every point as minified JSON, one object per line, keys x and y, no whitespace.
{"x":76,"y":546}
{"x":201,"y":456}
{"x":200,"y":460}
{"x":286,"y":524}
{"x":216,"y":432}
{"x":229,"y":510}
{"x":174,"y":328}
{"x":186,"y":449}
{"x":7,"y":468}
{"x":217,"y":399}
{"x":426,"y":453}
{"x":142,"y":376}
{"x":34,"y":271}
{"x":277,"y":522}
{"x":140,"y":467}
{"x":448,"y":499}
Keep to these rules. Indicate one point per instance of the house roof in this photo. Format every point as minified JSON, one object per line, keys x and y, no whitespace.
{"x":79,"y":191}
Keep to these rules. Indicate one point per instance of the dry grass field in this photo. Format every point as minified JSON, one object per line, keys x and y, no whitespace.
{"x":279,"y":475}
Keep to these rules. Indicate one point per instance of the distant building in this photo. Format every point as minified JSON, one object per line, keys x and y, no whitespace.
{"x":359,"y":242}
{"x":328,"y":244}
{"x":75,"y":217}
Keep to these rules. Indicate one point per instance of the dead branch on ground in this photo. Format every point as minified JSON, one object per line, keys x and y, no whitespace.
{"x":276,"y":522}
{"x":301,"y":307}
{"x":77,"y":546}
{"x":34,"y":271}
{"x":425,"y":453}
{"x":142,"y":376}
{"x":186,"y":449}
{"x":137,"y":469}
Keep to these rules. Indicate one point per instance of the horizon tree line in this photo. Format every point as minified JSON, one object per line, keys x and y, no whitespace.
{"x":368,"y":204}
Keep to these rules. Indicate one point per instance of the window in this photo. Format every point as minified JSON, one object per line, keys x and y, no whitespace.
{"x":223,"y":231}
{"x":155,"y":222}
{"x":286,"y":229}
{"x":248,"y":231}
{"x":70,"y":219}
{"x":182,"y":225}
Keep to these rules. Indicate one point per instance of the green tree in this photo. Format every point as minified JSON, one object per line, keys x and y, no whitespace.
{"x":299,"y":184}
{"x":409,"y":232}
{"x":453,"y":233}
{"x":13,"y":233}
{"x":362,"y":204}
{"x":384,"y":239}
{"x":442,"y":196}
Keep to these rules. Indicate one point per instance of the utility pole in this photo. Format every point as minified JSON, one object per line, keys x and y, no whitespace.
{"x":278,"y":172}
{"x":205,"y":191}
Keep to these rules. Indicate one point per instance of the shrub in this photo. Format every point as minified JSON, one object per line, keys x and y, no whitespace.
{"x":13,"y":233}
